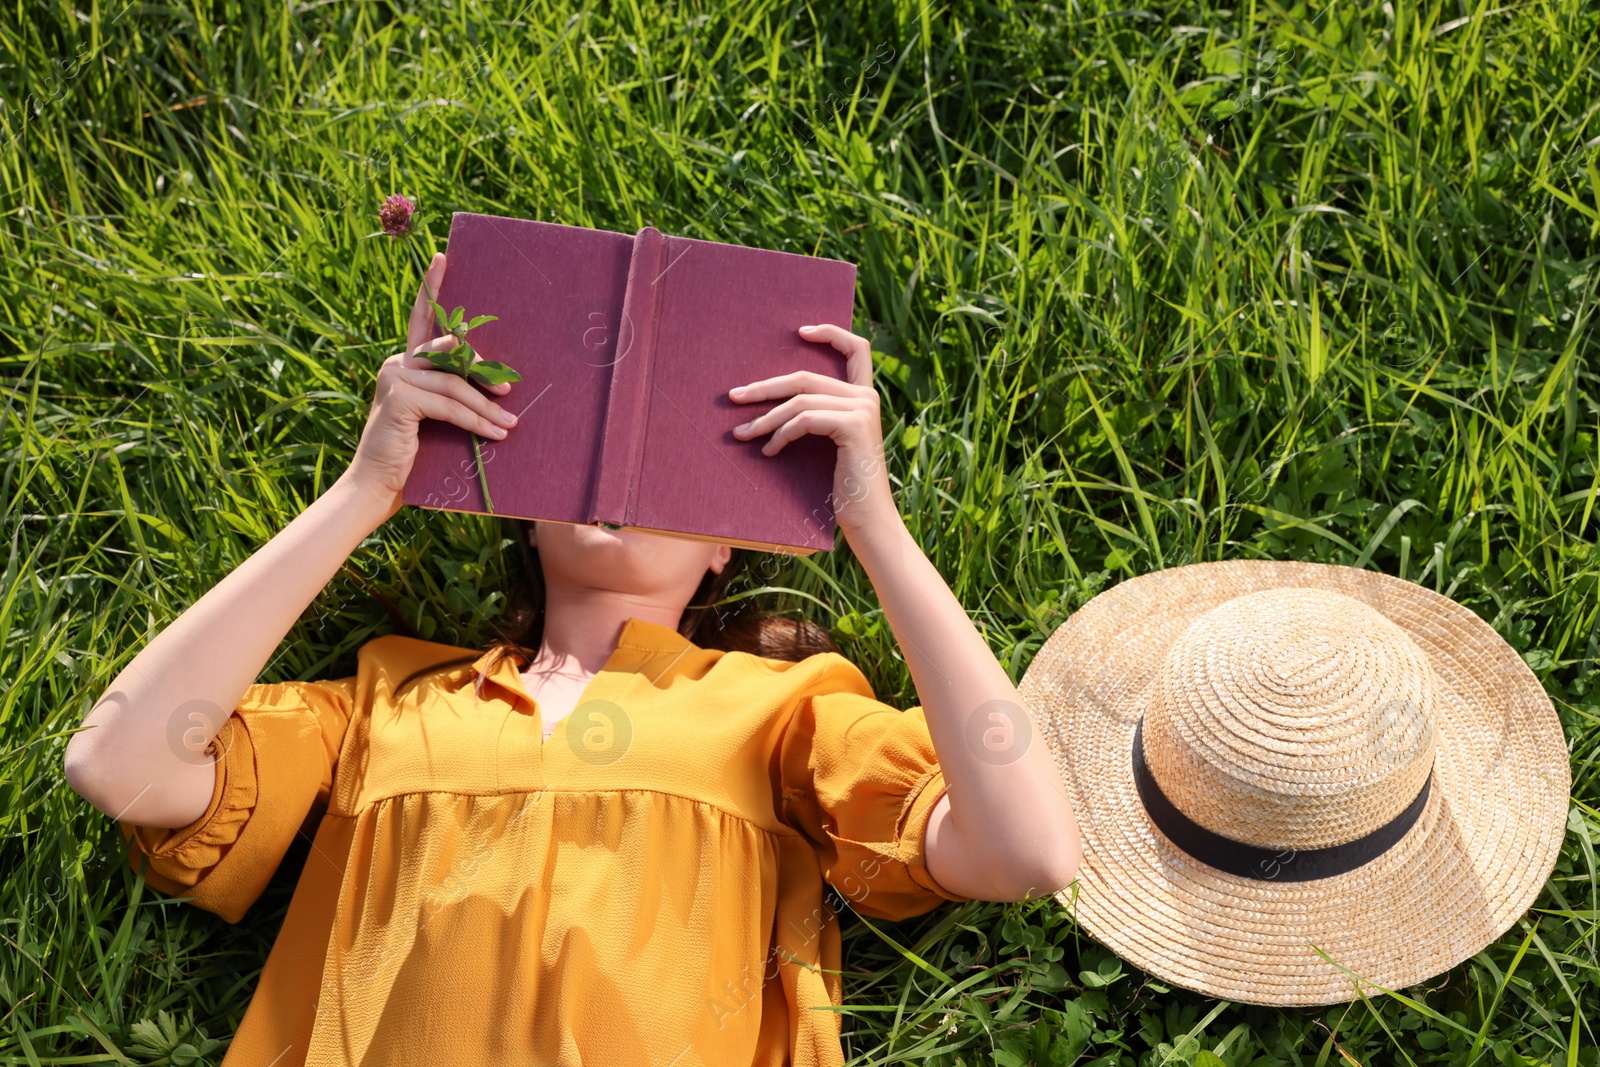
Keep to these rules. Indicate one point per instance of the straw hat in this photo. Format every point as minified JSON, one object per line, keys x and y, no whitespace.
{"x":1267,"y":759}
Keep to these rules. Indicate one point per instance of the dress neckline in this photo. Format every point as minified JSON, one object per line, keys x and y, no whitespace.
{"x":638,"y":635}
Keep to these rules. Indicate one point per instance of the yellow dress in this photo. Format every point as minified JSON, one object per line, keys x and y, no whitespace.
{"x":644,"y":888}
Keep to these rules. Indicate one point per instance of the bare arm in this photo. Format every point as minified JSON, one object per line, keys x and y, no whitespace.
{"x":136,"y":759}
{"x":1005,"y":830}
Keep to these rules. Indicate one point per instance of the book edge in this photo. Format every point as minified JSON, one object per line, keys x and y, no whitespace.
{"x":736,"y":542}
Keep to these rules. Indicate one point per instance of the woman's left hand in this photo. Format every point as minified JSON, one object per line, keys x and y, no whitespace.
{"x":846,"y":411}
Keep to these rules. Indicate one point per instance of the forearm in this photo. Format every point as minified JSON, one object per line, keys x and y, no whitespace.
{"x":140,"y":756}
{"x":1007,"y":826}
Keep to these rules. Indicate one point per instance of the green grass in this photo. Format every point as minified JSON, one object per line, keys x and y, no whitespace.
{"x":1149,"y":287}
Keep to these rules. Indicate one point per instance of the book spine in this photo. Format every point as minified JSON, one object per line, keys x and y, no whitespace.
{"x":623,"y":433}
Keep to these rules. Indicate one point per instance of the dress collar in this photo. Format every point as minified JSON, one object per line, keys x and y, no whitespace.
{"x":638,"y":635}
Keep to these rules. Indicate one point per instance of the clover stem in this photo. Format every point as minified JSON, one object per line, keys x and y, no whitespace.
{"x":483,"y":481}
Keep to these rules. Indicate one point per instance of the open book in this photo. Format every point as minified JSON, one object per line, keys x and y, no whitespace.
{"x":627,"y":345}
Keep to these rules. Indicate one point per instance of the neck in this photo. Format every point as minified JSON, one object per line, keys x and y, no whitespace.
{"x":582,"y":626}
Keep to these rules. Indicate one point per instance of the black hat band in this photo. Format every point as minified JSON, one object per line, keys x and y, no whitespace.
{"x":1253,"y":861}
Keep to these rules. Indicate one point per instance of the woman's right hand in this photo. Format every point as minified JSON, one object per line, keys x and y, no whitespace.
{"x":409,"y":390}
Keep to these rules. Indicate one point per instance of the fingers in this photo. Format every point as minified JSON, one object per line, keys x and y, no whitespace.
{"x":420,"y":327}
{"x":816,"y":403}
{"x":448,"y":409}
{"x":832,"y":424}
{"x":857,"y":350}
{"x":458,"y":389}
{"x":794,"y":406}
{"x":800,"y":381}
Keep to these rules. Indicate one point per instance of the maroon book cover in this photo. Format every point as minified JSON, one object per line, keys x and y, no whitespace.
{"x":627,"y":346}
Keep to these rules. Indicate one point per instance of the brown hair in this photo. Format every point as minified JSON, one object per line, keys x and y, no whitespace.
{"x":705,"y":622}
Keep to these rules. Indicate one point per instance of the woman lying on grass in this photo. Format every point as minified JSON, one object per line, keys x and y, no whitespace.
{"x":644,"y":887}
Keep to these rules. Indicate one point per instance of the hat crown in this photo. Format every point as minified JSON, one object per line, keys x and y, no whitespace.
{"x":1291,"y":718}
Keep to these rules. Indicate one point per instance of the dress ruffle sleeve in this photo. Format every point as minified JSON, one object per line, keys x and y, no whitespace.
{"x":860,"y":778}
{"x":274,"y":759}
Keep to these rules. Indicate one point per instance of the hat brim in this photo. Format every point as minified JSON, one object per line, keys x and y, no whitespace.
{"x":1472,"y":864}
